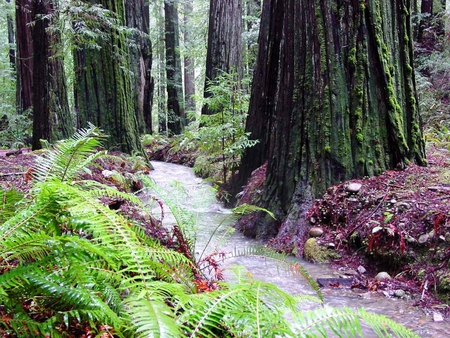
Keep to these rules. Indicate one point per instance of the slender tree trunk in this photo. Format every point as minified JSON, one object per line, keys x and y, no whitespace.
{"x":175,"y":100}
{"x":333,"y":98}
{"x":24,"y":63}
{"x":224,"y":54}
{"x":161,"y":73}
{"x":189,"y":72}
{"x":41,"y":73}
{"x":103,"y":88}
{"x":137,"y":13}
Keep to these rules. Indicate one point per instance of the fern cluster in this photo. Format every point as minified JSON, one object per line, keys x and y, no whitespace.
{"x":67,"y":260}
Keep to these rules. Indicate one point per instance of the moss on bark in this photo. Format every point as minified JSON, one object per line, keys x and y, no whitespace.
{"x":343,"y":105}
{"x":104,"y":91}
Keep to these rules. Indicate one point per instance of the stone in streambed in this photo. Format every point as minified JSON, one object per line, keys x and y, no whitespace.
{"x":315,"y":232}
{"x":382,"y":276}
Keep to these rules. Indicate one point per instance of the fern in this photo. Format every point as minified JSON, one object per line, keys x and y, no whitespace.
{"x":345,"y":323}
{"x":66,"y":258}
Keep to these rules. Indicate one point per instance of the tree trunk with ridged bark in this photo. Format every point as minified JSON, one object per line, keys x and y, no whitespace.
{"x":224,"y":54}
{"x":176,"y":118}
{"x":104,"y":87}
{"x":333,"y":98}
{"x":138,"y":17}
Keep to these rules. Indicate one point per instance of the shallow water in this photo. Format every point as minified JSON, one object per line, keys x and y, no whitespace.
{"x":181,"y":185}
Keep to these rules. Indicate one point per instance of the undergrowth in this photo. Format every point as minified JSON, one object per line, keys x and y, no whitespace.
{"x":69,"y":261}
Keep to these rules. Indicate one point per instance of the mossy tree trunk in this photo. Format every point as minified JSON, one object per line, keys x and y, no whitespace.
{"x":333,"y":98}
{"x":224,"y":53}
{"x":176,"y":119}
{"x":104,"y":87}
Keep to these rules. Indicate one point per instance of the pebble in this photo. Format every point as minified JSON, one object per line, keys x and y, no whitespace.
{"x":423,"y":238}
{"x":354,"y":187}
{"x":382,"y":276}
{"x":361,"y":269}
{"x":108,"y":173}
{"x":315,"y":232}
{"x":399,"y":293}
{"x":437,"y":317}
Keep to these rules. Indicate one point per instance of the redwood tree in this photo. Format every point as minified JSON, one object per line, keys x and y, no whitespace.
{"x":103,"y":84}
{"x":224,"y":54}
{"x":333,"y":98}
{"x":137,"y":18}
{"x":176,"y":119}
{"x":41,"y":73}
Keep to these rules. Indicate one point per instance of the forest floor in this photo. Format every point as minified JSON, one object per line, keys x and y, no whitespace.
{"x":397,"y":222}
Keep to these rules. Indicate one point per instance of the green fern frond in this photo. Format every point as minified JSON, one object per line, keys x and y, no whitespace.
{"x":244,"y":209}
{"x":8,"y":201}
{"x":152,"y":318}
{"x":282,"y":259}
{"x":346,"y":323}
{"x":69,"y":157}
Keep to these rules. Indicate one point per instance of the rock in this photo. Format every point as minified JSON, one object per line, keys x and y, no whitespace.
{"x":331,"y":246}
{"x":361,"y":269}
{"x":313,"y":252}
{"x":447,"y":236}
{"x":354,"y":187}
{"x":108,"y":173}
{"x":437,"y":317}
{"x":423,"y":238}
{"x":399,"y":293}
{"x":382,"y":276}
{"x":315,"y":232}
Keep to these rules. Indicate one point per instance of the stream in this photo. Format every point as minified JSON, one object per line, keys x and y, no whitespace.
{"x":198,"y":196}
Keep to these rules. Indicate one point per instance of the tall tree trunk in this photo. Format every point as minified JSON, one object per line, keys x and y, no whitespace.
{"x":61,"y":121}
{"x":41,"y":73}
{"x":224,"y":54}
{"x":426,"y":15}
{"x":161,"y":73}
{"x":250,"y":48}
{"x":175,"y":100}
{"x":333,"y":98}
{"x":11,"y":40}
{"x":137,"y":13}
{"x":103,"y":86}
{"x":189,"y":71}
{"x":24,"y":63}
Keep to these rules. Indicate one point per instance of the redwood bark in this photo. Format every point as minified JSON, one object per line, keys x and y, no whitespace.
{"x":137,"y":17}
{"x":41,"y":74}
{"x":104,"y":89}
{"x":224,"y":54}
{"x":333,"y":99}
{"x":176,"y":119}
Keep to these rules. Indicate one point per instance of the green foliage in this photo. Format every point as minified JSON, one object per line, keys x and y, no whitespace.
{"x":222,"y":136}
{"x":439,"y":135}
{"x":67,"y":259}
